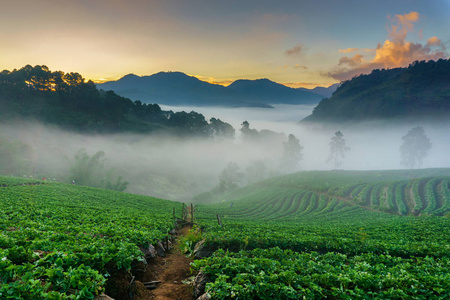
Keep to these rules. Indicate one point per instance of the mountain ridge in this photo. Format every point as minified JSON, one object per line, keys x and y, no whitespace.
{"x":420,"y":91}
{"x":177,"y":88}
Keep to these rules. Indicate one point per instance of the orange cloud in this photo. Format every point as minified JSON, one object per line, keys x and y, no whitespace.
{"x":296,"y":66}
{"x":212,"y":80}
{"x":348,"y":50}
{"x":434,"y":40}
{"x":404,"y":24}
{"x":308,"y":85}
{"x":393,"y":53}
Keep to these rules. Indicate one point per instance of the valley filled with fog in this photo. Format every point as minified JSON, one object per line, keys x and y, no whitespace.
{"x":179,"y":168}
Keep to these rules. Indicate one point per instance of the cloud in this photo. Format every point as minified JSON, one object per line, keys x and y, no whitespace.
{"x":296,"y":66}
{"x":433,"y":41}
{"x":212,"y":80}
{"x":356,"y":60}
{"x":404,"y":24}
{"x":395,"y":52}
{"x":308,"y":85}
{"x":348,"y":50}
{"x":296,"y":50}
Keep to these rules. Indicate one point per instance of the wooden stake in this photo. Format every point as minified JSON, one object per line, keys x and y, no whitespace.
{"x":218,"y":220}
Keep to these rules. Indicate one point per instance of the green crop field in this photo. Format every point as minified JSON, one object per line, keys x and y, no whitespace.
{"x":336,"y":234}
{"x":58,"y":241}
{"x":309,"y":235}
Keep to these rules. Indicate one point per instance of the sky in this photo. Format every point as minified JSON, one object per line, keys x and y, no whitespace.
{"x":293,"y":42}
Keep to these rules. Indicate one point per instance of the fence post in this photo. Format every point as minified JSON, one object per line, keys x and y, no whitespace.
{"x":174,"y":218}
{"x":218,"y":220}
{"x":182,"y":213}
{"x":192,"y":213}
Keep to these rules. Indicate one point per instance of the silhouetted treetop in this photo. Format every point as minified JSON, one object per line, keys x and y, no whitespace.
{"x":69,"y":101}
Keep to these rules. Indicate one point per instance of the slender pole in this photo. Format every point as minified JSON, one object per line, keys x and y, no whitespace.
{"x":218,"y":220}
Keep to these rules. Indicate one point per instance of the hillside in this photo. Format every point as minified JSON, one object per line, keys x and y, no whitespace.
{"x":69,"y":102}
{"x":269,"y":92}
{"x":316,"y":193}
{"x":420,"y":91}
{"x":179,"y":89}
{"x":336,"y":235}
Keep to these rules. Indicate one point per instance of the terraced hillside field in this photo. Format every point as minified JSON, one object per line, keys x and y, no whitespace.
{"x":60,"y":241}
{"x":337,"y":234}
{"x":316,"y":193}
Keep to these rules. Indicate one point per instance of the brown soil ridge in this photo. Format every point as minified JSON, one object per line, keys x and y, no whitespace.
{"x":172,"y":270}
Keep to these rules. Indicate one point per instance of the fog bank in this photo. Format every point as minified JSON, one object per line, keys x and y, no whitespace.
{"x":179,"y":168}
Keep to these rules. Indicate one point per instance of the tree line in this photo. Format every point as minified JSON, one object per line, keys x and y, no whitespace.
{"x":413,"y":150}
{"x":70,"y":102}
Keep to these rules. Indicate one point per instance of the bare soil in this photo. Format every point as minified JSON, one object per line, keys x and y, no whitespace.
{"x":171,"y":270}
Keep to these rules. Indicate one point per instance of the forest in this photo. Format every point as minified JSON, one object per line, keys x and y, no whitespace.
{"x":66,"y":100}
{"x":420,"y":91}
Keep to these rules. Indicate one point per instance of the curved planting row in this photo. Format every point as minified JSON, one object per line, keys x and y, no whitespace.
{"x":276,"y":203}
{"x":444,"y":192}
{"x":319,"y":242}
{"x":421,"y":196}
{"x":417,"y":196}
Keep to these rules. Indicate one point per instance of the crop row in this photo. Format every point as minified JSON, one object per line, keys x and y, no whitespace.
{"x":60,"y":241}
{"x":429,"y":196}
{"x":283,"y":274}
{"x":329,"y":237}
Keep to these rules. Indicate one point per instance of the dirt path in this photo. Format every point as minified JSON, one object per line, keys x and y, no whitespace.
{"x":171,"y":271}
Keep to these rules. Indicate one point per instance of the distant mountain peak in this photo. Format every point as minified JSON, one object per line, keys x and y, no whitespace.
{"x":177,"y":88}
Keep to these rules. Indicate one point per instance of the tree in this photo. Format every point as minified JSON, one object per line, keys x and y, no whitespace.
{"x":414,"y":148}
{"x":91,"y":171}
{"x":189,"y":124}
{"x":15,"y":158}
{"x":247,"y":133}
{"x":256,"y":171}
{"x":230,"y":177}
{"x":292,"y":154}
{"x":337,"y":149}
{"x":221,"y":129}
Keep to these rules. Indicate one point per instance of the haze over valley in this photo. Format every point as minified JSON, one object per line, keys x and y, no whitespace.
{"x":224,"y":149}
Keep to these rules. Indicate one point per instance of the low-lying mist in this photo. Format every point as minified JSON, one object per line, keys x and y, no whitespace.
{"x":178,"y":168}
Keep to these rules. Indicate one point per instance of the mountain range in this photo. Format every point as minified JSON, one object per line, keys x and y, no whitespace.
{"x":179,"y":89}
{"x":323,"y":91}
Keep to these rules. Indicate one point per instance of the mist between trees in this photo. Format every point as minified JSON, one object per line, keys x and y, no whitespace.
{"x":180,"y":168}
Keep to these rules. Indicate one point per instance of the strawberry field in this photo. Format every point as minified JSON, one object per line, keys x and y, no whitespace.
{"x":59,"y":241}
{"x":338,"y":235}
{"x":309,"y":235}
